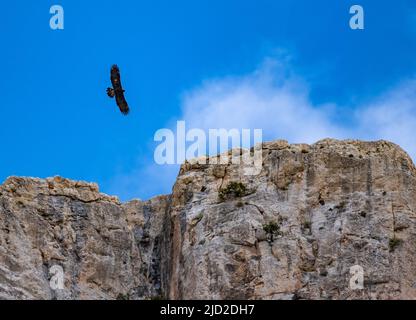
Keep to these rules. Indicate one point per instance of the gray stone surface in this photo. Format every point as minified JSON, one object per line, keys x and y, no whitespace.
{"x":330,"y":205}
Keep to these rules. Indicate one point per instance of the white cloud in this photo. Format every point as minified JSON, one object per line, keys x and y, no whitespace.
{"x":274,"y":99}
{"x":391,"y":116}
{"x":277,"y":101}
{"x":270,"y":99}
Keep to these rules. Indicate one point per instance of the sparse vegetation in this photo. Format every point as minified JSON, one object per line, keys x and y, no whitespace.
{"x":233,"y":190}
{"x":197,"y":219}
{"x":286,"y":186}
{"x":341,"y":205}
{"x":394,"y":243}
{"x":239,"y":204}
{"x":307,"y":225}
{"x":272,"y":229}
{"x":123,"y":296}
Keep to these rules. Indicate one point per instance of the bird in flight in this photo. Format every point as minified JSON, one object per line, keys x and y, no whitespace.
{"x":117,"y":90}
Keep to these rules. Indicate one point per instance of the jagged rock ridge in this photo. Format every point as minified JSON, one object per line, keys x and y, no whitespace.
{"x":292,"y":232}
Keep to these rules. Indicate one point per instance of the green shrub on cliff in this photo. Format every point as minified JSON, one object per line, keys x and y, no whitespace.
{"x":233,"y":190}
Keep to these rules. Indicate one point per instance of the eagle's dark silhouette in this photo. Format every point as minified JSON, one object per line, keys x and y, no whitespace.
{"x":117,"y":90}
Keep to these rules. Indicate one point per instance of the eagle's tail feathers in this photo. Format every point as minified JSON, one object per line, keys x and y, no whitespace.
{"x":125,"y":111}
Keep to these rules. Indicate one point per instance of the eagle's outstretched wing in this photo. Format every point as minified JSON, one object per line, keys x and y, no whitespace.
{"x":117,"y":90}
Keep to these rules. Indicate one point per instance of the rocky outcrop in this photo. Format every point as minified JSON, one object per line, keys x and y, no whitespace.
{"x":107,"y":250}
{"x":292,"y":232}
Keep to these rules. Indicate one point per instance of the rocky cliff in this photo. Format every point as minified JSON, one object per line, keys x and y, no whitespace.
{"x":292,"y":232}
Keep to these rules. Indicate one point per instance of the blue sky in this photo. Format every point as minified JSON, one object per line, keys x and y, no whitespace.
{"x":192,"y":60}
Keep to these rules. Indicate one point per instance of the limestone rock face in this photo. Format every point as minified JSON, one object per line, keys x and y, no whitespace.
{"x":336,"y":204}
{"x":104,"y":248}
{"x":297,"y":230}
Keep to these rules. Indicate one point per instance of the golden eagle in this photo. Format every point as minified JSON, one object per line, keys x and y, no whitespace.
{"x":117,"y":90}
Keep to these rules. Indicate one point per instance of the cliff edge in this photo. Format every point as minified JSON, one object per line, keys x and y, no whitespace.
{"x":295,"y":231}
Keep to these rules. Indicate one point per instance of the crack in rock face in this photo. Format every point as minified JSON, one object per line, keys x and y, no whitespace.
{"x":294,"y":231}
